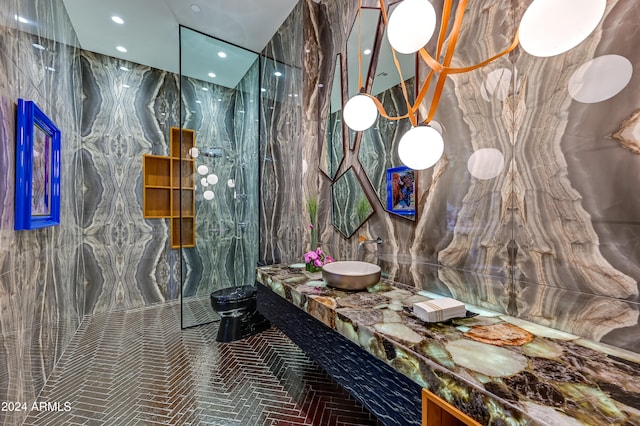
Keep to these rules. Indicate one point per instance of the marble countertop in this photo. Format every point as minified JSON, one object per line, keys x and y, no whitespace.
{"x":496,"y":368}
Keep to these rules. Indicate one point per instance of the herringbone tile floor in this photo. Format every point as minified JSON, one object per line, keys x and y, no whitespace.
{"x":138,"y":368}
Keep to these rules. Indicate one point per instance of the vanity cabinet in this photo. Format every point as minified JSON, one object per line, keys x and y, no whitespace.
{"x":438,"y":412}
{"x":169,"y":188}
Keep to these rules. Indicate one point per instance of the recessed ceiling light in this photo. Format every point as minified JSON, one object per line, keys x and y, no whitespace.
{"x":121,"y":49}
{"x":195,"y":8}
{"x":222,"y":54}
{"x":38,"y":46}
{"x":51,"y":69}
{"x":205,"y":89}
{"x":367,"y":51}
{"x":198,"y":102}
{"x":219,"y":100}
{"x":123,"y":68}
{"x":277,"y":73}
{"x":126,"y":86}
{"x":212,"y":75}
{"x":262,"y":89}
{"x":117,"y":19}
{"x":20,"y":19}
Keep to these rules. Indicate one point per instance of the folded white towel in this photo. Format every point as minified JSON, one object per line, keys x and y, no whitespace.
{"x":438,"y":310}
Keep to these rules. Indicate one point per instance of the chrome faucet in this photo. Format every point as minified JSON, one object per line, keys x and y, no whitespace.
{"x":378,"y":241}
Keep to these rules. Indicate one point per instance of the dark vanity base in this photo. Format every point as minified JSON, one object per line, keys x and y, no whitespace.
{"x":392,"y":397}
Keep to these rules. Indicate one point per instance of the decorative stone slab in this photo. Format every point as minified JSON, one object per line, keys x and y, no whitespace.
{"x":519,"y":374}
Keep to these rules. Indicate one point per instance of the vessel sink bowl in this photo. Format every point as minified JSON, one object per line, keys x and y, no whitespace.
{"x":351,"y":274}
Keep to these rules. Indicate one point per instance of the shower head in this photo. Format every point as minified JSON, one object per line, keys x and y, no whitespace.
{"x":212,"y":151}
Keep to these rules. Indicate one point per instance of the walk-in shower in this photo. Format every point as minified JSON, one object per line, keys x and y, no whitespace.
{"x":219,"y":99}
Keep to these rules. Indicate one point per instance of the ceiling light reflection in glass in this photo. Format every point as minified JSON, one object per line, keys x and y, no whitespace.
{"x":486,"y":163}
{"x":600,"y":79}
{"x":497,"y":84}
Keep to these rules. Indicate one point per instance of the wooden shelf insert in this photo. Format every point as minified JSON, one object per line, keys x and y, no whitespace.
{"x":169,"y":188}
{"x":188,"y":230}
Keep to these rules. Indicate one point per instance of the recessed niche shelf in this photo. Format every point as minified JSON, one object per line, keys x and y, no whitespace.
{"x":155,"y":171}
{"x":169,"y":188}
{"x":156,"y":202}
{"x":188,"y":231}
{"x":184,"y":169}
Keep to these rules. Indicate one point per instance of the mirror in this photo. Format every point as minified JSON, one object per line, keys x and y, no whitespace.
{"x":351,"y":207}
{"x":332,"y":150}
{"x":379,"y":147}
{"x":363,"y":35}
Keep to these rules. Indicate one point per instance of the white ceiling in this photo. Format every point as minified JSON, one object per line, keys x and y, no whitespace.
{"x":150,"y":29}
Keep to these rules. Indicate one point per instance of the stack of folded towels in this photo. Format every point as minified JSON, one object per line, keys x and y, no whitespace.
{"x":438,"y":310}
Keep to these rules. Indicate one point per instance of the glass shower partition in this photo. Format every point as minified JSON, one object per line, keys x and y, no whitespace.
{"x":219,"y":101}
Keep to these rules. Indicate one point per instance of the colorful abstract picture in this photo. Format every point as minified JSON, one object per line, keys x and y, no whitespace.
{"x":401,"y":191}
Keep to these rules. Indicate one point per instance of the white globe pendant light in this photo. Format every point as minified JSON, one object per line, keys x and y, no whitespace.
{"x":212,"y":179}
{"x":551,"y":27}
{"x":360,"y":112}
{"x":208,"y":195}
{"x":203,"y":170}
{"x":411,"y":25}
{"x":421,"y":147}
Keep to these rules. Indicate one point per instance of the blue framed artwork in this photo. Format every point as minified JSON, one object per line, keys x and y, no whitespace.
{"x":401,"y":191}
{"x":37,"y":168}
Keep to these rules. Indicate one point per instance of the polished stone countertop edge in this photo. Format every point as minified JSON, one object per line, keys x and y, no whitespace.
{"x":287,"y":281}
{"x":488,"y":399}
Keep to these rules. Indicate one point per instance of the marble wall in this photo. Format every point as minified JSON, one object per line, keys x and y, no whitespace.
{"x":128,"y":111}
{"x":41,"y":271}
{"x":286,"y":171}
{"x":551,"y":238}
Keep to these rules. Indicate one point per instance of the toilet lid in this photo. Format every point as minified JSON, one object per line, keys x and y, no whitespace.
{"x":234,"y":293}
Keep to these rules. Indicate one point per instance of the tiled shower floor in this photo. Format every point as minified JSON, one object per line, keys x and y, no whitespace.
{"x":138,"y":368}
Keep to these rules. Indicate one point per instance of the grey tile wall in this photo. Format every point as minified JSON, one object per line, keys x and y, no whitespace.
{"x":41,"y":271}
